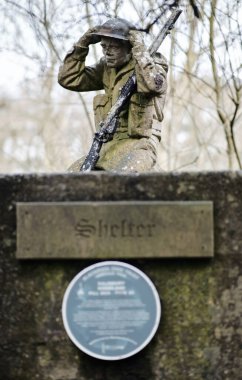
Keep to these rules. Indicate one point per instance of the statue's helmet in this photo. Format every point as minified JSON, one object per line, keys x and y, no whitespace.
{"x":116,"y":28}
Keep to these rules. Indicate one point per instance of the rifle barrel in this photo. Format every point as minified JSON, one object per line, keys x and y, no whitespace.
{"x":164,"y":31}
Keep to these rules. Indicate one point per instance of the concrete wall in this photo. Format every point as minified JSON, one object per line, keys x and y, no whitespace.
{"x":200,"y":335}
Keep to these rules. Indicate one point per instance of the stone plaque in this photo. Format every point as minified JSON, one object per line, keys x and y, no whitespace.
{"x":114,"y":229}
{"x":111,"y":310}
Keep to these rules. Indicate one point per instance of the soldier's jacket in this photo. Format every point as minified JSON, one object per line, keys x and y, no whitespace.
{"x":140,"y":119}
{"x":142,"y":115}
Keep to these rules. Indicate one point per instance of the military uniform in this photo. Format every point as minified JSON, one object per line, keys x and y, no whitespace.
{"x":135,"y":145}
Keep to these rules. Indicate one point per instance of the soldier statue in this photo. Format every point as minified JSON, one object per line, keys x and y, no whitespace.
{"x":135,"y":146}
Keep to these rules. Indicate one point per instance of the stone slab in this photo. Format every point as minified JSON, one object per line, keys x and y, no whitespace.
{"x":122,"y":229}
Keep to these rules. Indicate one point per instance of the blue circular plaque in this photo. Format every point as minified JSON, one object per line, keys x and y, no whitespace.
{"x":111,"y":310}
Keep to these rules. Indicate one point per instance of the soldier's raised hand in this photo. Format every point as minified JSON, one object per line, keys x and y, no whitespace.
{"x":89,"y":37}
{"x":136,"y":38}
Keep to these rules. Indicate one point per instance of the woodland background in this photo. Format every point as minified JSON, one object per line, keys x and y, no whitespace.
{"x":44,"y":128}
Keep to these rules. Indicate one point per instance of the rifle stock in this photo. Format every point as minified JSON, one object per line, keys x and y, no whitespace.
{"x":108,"y":127}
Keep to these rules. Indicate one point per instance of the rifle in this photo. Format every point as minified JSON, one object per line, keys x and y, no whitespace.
{"x":108,"y":127}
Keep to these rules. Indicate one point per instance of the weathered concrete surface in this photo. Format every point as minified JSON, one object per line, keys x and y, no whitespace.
{"x":200,"y":336}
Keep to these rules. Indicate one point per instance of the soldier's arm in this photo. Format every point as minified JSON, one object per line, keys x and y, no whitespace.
{"x":150,"y":71}
{"x":74,"y":75}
